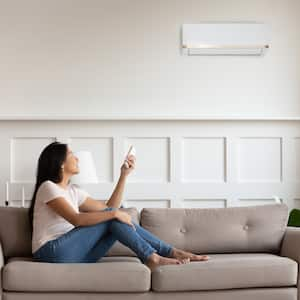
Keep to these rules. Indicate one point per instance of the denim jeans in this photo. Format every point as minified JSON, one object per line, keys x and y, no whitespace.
{"x":87,"y":244}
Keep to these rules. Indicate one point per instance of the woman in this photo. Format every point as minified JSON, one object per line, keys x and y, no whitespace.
{"x":69,"y":226}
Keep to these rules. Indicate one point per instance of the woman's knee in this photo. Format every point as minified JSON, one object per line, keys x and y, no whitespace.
{"x":114,"y":223}
{"x":118,"y":225}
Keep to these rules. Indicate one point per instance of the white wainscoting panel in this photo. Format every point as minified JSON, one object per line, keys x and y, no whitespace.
{"x":204,"y":159}
{"x":179,"y":163}
{"x":204,"y":203}
{"x":297,"y":153}
{"x":148,"y":203}
{"x":24,"y":170}
{"x":102,"y":150}
{"x":260,"y":159}
{"x":249,"y":202}
{"x":152,"y":156}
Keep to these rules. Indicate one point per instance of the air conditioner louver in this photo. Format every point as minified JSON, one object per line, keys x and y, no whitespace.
{"x":225,"y":39}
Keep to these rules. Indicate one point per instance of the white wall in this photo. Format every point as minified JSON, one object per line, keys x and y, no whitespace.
{"x":75,"y":57}
{"x":64,"y":58}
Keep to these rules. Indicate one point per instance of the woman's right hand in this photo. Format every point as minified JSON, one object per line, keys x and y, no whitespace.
{"x":124,"y":217}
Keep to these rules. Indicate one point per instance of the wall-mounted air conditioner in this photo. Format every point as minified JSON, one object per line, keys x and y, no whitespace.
{"x":225,"y":38}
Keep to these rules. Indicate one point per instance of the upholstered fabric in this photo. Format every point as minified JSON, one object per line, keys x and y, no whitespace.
{"x":109,"y":274}
{"x":105,"y":259}
{"x":223,"y":271}
{"x":291,"y":243}
{"x":236,"y":294}
{"x":119,"y":249}
{"x":244,"y":244}
{"x":15,"y":234}
{"x":291,"y":247}
{"x":2,"y":262}
{"x":219,"y":230}
{"x":227,"y":271}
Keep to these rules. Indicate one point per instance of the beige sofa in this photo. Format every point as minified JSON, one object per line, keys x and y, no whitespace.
{"x":254,"y":255}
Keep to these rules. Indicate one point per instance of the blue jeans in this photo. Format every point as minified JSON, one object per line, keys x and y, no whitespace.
{"x":87,"y":244}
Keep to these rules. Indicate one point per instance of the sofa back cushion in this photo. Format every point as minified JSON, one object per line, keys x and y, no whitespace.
{"x":219,"y":230}
{"x":119,"y":249}
{"x":15,"y":235}
{"x":16,"y":239}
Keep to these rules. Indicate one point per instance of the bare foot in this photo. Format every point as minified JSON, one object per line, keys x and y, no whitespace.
{"x":181,"y":254}
{"x":156,"y":260}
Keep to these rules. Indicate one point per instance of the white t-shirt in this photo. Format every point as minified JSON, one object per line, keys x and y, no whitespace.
{"x":47,"y":224}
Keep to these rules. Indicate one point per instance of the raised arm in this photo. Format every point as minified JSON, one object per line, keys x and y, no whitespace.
{"x":116,"y":197}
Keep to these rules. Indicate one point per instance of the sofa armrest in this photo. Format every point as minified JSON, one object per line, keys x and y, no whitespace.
{"x":290,"y":246}
{"x":1,"y":265}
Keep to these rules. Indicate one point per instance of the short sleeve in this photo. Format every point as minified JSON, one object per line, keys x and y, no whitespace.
{"x":49,"y":191}
{"x":81,"y":195}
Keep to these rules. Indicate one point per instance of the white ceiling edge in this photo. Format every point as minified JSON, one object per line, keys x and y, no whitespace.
{"x":145,"y":117}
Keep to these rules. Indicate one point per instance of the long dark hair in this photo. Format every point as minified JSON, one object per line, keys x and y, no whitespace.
{"x":49,"y":168}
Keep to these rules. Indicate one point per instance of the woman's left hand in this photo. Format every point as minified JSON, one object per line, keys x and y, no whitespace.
{"x":131,"y":163}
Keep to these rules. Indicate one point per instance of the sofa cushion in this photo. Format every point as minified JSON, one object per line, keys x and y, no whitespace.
{"x":16,"y":239}
{"x":227,"y":271}
{"x":15,"y":235}
{"x":109,"y":274}
{"x":102,"y":260}
{"x":119,"y":249}
{"x":219,"y":230}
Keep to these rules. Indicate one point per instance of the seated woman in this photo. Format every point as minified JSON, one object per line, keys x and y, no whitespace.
{"x":69,"y":226}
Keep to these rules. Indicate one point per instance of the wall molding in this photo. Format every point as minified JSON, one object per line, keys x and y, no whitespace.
{"x":180,"y":163}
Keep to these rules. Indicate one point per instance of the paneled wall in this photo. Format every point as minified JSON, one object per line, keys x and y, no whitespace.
{"x":180,"y":163}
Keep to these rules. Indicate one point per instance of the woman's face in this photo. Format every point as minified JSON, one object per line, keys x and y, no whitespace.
{"x":71,"y":163}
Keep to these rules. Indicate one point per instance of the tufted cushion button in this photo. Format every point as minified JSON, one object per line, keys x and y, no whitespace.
{"x":182,"y":230}
{"x":246,"y":227}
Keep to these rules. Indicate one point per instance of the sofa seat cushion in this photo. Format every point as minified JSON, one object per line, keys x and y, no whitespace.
{"x":102,"y":260}
{"x":227,"y":271}
{"x":109,"y":274}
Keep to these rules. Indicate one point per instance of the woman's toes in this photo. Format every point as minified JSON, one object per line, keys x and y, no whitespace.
{"x":177,"y":261}
{"x":165,"y":261}
{"x":184,"y":260}
{"x":205,"y":256}
{"x":181,"y":254}
{"x":195,"y":257}
{"x":202,"y":257}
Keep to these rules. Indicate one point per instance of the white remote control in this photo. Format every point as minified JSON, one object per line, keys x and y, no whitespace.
{"x":131,"y":151}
